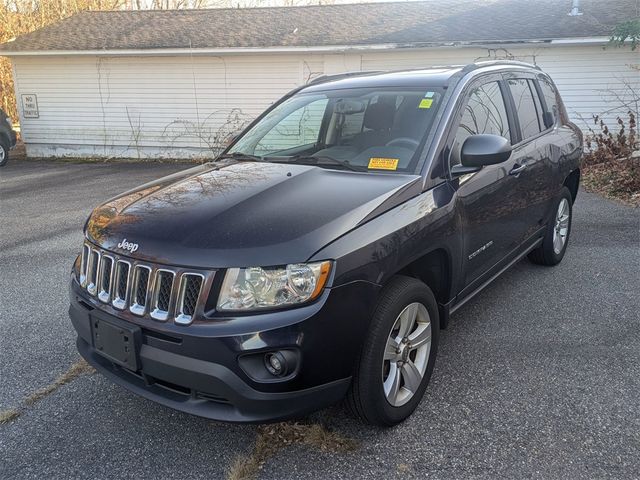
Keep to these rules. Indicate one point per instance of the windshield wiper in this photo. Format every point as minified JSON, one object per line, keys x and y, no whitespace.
{"x":241,"y":156}
{"x":321,"y":160}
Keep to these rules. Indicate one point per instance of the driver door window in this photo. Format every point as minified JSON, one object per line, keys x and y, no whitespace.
{"x":485,"y":112}
{"x":300,"y":127}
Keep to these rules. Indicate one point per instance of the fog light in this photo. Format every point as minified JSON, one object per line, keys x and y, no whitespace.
{"x":275,"y":363}
{"x":281,"y":363}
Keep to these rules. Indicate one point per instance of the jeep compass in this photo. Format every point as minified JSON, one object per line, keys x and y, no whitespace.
{"x":319,"y":256}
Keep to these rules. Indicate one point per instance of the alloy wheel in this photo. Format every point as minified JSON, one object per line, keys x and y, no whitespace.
{"x":406,"y":354}
{"x":561,"y":227}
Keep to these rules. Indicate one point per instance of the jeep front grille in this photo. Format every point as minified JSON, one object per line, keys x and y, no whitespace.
{"x":143,"y":288}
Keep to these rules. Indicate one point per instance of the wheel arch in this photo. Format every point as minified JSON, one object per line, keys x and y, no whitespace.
{"x":5,"y":139}
{"x":572,"y":182}
{"x":435,"y":269}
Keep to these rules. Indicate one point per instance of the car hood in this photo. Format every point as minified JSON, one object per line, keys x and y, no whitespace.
{"x":244,"y":213}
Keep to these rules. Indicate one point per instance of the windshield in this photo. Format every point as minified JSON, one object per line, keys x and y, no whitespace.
{"x":368,"y":129}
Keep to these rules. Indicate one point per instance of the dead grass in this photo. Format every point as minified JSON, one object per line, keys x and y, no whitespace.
{"x":95,"y":160}
{"x":273,"y":438}
{"x":79,"y":368}
{"x":7,"y":416}
{"x":617,"y":180}
{"x":19,"y":154}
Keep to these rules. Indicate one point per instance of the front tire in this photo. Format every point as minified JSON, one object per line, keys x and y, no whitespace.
{"x":398,"y":355}
{"x":556,"y":239}
{"x":4,"y":153}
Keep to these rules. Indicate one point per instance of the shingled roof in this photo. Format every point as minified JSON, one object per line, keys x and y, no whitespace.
{"x":434,"y":22}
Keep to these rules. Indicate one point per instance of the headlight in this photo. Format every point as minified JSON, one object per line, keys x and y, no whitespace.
{"x":259,"y":288}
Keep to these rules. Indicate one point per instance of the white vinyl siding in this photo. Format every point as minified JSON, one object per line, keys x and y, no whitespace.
{"x":149,"y":106}
{"x":592,"y":80}
{"x":183,"y":106}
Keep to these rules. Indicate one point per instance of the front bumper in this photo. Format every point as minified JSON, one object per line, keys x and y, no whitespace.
{"x":196,"y":368}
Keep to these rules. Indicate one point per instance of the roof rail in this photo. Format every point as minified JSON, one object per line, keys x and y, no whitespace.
{"x":488,"y":63}
{"x":340,"y":76}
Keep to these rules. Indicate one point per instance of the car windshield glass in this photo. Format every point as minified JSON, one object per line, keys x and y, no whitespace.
{"x":366,"y":129}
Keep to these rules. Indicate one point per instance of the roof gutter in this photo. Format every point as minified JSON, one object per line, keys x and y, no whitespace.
{"x":301,"y":49}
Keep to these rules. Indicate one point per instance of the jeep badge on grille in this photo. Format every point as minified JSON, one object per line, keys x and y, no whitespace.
{"x":132,"y":247}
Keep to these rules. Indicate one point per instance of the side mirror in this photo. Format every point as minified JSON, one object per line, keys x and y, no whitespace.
{"x":484,"y":149}
{"x":481,"y":150}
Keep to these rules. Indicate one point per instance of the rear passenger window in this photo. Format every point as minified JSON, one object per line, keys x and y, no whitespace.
{"x":537,"y":102}
{"x":549,"y":94}
{"x":523,"y":95}
{"x":485,"y":112}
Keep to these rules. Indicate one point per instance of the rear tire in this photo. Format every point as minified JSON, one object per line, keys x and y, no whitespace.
{"x":398,"y":355}
{"x":4,"y":153}
{"x":556,"y":239}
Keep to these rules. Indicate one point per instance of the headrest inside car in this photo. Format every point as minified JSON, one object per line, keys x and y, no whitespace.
{"x":379,"y":116}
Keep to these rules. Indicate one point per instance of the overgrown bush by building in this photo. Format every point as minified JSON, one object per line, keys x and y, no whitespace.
{"x":611,"y":164}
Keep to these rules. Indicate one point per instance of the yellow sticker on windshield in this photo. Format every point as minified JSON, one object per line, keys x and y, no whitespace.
{"x":383,"y":163}
{"x":426,"y":103}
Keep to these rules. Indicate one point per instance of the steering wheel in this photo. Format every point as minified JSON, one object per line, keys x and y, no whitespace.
{"x":400,"y":141}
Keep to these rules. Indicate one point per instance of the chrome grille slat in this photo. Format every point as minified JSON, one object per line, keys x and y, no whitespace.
{"x":93,"y":271}
{"x":162,"y":293}
{"x":106,"y":279}
{"x":140,"y":289}
{"x":143,"y":289}
{"x":121,"y":285}
{"x":188,"y":295}
{"x":84,"y":264}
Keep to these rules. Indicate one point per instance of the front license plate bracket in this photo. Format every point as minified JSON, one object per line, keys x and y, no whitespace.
{"x":116,"y":342}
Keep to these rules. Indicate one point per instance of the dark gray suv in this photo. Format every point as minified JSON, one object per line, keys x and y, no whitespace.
{"x":319,"y":256}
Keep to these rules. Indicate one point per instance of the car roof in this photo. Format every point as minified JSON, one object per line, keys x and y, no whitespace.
{"x":438,"y":76}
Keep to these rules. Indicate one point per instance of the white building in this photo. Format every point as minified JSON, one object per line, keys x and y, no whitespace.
{"x":178,"y":83}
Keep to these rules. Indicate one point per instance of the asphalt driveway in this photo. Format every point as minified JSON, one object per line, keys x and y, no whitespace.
{"x":538,"y":376}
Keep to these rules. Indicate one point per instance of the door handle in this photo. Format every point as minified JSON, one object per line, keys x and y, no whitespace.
{"x":517,"y":169}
